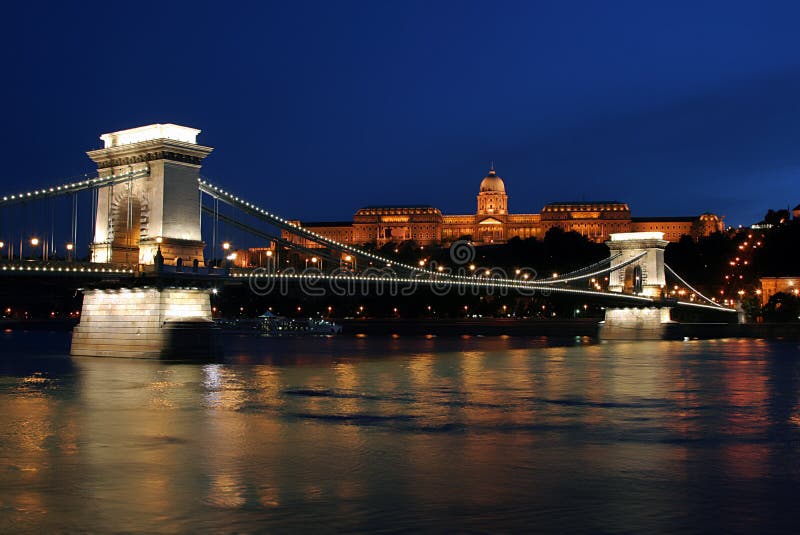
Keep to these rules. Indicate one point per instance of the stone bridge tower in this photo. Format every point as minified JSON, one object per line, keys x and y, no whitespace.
{"x":161,"y":208}
{"x":644,"y":277}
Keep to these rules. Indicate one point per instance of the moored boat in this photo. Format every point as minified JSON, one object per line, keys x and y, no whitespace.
{"x":281,"y":325}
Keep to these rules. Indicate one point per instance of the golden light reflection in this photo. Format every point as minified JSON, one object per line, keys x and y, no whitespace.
{"x":348,"y":382}
{"x":269,"y":497}
{"x":226,"y":491}
{"x":472,"y":427}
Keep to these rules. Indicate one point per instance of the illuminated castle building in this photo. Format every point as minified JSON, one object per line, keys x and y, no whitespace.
{"x":492,"y":223}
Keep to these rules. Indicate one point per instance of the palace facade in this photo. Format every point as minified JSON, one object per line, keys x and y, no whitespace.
{"x":492,"y":223}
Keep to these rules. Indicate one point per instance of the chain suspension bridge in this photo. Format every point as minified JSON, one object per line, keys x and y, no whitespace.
{"x":141,"y":238}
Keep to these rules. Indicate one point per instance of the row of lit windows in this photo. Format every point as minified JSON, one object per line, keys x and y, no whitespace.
{"x":396,"y":211}
{"x":587,"y":207}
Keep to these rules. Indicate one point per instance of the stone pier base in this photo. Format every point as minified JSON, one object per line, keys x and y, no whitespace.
{"x":146,"y":323}
{"x":635,"y":324}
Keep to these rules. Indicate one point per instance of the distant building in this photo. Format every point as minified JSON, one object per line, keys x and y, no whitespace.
{"x":772,"y":285}
{"x":252,"y":257}
{"x":492,"y":223}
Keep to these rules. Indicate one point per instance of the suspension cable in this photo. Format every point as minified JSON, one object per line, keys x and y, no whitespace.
{"x":55,"y":191}
{"x":680,"y":279}
{"x":258,"y":233}
{"x":588,"y":275}
{"x":280,"y":222}
{"x":592,"y":266}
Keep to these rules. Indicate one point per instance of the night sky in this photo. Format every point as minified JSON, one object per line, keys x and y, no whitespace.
{"x":318,"y":108}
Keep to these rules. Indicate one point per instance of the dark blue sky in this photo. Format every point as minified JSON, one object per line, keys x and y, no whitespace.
{"x":318,"y":108}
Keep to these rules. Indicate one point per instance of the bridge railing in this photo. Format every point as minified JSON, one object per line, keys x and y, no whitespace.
{"x":64,"y":267}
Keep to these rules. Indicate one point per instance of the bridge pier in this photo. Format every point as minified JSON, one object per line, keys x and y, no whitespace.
{"x":649,"y":323}
{"x":645,"y":277}
{"x":146,"y":323}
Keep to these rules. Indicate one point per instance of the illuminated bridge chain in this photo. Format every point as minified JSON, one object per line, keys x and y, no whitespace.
{"x":581,"y":271}
{"x":691,"y":288}
{"x":269,"y":217}
{"x":486,"y":283}
{"x":70,"y":187}
{"x":263,"y":234}
{"x":292,"y":228}
{"x":567,"y":279}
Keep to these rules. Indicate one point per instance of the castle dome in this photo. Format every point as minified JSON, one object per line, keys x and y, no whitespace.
{"x":492,"y":183}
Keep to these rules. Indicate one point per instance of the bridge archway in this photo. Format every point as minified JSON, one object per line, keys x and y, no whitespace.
{"x":633,"y":280}
{"x":126,"y":214}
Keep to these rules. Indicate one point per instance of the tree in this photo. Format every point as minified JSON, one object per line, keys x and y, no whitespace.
{"x":780,"y":252}
{"x":777,"y":218}
{"x":782,"y":307}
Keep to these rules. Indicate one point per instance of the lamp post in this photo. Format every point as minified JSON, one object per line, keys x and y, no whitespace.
{"x":347,"y":261}
{"x":269,"y":259}
{"x":158,"y":258}
{"x":225,"y":247}
{"x":2,"y":245}
{"x":70,"y":247}
{"x":314,"y":261}
{"x":35,"y":243}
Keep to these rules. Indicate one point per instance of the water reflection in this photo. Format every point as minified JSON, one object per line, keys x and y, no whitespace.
{"x":447,"y":434}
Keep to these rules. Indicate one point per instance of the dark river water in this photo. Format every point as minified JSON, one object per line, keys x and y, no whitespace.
{"x":411,"y":434}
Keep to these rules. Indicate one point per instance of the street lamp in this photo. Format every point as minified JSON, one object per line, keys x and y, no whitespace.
{"x":346,"y":262}
{"x":35,"y":243}
{"x":225,"y":247}
{"x":70,"y":247}
{"x":314,"y":261}
{"x":270,"y":254}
